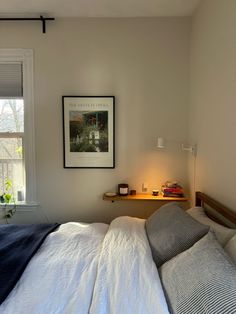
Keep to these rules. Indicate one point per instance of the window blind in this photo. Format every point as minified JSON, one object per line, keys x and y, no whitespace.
{"x":11,"y":80}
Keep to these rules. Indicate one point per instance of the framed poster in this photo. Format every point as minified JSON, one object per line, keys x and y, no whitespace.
{"x":88,"y":131}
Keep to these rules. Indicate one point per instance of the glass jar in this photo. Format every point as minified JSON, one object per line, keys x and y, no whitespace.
{"x":123,"y":189}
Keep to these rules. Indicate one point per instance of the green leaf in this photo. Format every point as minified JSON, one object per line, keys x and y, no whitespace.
{"x":2,"y":198}
{"x":8,"y":185}
{"x":7,"y":198}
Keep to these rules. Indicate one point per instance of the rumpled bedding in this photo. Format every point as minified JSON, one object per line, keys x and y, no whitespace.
{"x":91,"y":268}
{"x":18,"y":244}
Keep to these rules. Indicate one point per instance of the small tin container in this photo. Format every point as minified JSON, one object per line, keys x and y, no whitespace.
{"x":155,"y":192}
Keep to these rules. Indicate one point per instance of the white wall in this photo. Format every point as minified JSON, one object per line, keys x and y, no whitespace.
{"x":144,"y":63}
{"x":212,"y":98}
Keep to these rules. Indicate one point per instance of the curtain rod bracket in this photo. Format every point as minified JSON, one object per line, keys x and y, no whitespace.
{"x":41,"y":19}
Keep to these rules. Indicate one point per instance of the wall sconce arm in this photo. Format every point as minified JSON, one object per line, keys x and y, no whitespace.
{"x":190,"y":148}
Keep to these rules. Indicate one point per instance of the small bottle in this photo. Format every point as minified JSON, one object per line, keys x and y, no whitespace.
{"x":123,"y":189}
{"x":20,"y":196}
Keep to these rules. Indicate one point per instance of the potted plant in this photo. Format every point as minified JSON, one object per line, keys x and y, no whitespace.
{"x":7,"y":198}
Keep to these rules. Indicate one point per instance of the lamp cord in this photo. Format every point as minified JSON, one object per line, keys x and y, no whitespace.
{"x":194,"y":174}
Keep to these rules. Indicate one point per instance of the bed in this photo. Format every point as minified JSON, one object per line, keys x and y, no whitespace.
{"x":100,"y":268}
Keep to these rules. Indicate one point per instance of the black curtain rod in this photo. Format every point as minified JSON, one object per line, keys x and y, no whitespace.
{"x":41,"y":19}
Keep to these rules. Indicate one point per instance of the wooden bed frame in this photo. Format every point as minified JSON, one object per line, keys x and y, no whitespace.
{"x":224,"y":211}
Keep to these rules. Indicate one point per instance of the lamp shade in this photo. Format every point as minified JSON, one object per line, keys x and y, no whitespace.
{"x":160,"y":142}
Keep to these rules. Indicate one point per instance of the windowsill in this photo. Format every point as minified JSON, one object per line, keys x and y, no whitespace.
{"x":21,"y":206}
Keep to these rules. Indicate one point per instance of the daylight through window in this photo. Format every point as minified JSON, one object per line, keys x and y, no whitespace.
{"x":17,"y":154}
{"x":12,"y":144}
{"x":12,"y":128}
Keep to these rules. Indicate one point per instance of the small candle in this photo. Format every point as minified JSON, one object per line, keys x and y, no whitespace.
{"x":123,"y":189}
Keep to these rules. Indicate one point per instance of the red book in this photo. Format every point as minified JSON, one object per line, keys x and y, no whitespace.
{"x":172,"y":190}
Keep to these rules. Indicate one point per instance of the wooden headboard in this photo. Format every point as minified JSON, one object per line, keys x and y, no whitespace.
{"x":202,"y":199}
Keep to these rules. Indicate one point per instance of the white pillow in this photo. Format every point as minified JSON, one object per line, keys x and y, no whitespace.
{"x":230,"y":248}
{"x":223,"y":234}
{"x":200,"y":279}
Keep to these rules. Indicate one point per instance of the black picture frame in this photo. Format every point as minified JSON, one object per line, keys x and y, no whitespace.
{"x":88,"y":131}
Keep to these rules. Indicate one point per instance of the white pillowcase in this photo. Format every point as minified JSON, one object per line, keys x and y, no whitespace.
{"x":223,"y":234}
{"x":230,"y":248}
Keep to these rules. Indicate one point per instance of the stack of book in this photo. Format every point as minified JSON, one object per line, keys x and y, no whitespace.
{"x":172,"y":189}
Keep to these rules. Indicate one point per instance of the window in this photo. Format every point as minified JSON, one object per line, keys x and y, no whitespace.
{"x":12,"y":142}
{"x":17,"y":122}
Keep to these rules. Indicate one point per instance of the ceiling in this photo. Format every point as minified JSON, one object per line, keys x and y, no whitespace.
{"x":99,"y":8}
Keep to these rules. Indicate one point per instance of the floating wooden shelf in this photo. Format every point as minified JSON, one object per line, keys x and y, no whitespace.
{"x":144,"y":197}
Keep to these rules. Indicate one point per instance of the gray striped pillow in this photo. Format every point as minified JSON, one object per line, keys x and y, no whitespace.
{"x":170,"y":231}
{"x":200,"y":280}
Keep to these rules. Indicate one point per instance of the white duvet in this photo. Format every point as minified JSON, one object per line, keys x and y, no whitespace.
{"x":91,"y":268}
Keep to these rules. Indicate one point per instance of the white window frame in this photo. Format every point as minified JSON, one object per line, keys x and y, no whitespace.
{"x":25,"y":56}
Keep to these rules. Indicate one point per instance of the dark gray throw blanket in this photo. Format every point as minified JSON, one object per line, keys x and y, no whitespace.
{"x":18,"y":244}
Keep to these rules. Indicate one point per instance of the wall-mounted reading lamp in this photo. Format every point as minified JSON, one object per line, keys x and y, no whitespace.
{"x":160,"y":142}
{"x":189,"y":148}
